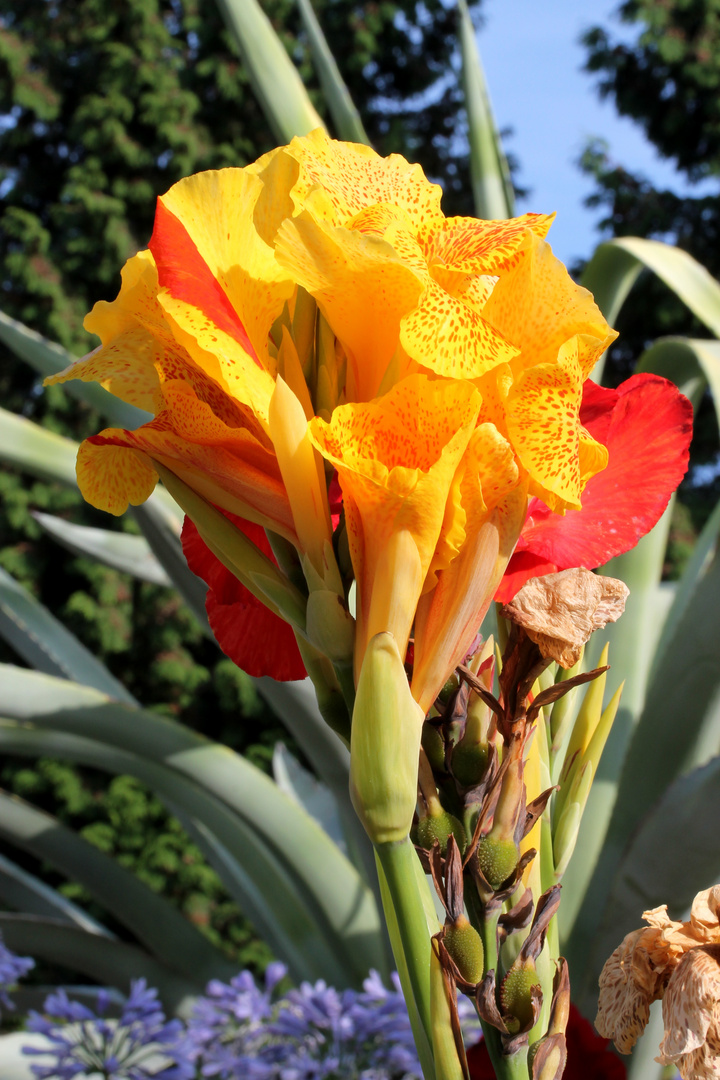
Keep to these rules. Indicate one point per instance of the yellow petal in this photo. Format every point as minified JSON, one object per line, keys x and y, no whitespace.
{"x":396,"y":458}
{"x":362,"y":288}
{"x":481,"y":247}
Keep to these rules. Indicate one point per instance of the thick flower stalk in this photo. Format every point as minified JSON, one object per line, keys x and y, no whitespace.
{"x":354,"y":398}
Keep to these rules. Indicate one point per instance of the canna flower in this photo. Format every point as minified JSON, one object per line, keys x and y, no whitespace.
{"x":678,"y":962}
{"x":316,"y":313}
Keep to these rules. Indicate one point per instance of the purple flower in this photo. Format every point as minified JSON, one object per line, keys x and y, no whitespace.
{"x":140,"y":1045}
{"x":12,"y":969}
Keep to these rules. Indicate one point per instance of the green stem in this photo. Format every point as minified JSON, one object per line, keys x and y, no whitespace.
{"x":421,"y":1035}
{"x":397,"y":859}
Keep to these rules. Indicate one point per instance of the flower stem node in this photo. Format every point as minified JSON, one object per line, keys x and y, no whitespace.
{"x":465,"y":948}
{"x":440,"y":826}
{"x":384,"y":744}
{"x":497,"y":859}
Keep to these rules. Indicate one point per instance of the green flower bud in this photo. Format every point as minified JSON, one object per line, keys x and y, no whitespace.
{"x":440,"y":827}
{"x":434,"y":747}
{"x":497,"y":859}
{"x":469,"y":761}
{"x":465,"y":947}
{"x":516,"y":997}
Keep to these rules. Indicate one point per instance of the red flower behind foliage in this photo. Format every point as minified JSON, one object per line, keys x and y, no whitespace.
{"x":257,"y":640}
{"x":588,"y":1057}
{"x":646,"y":425}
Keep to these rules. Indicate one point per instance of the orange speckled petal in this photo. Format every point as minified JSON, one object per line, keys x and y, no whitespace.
{"x":209,"y":254}
{"x":353,"y":176}
{"x":450,"y":338}
{"x":220,"y":356}
{"x":542,"y":413}
{"x":126,"y":362}
{"x":396,"y":458}
{"x":362,"y":287}
{"x":481,"y":247}
{"x":538,"y":306}
{"x":111,"y":477}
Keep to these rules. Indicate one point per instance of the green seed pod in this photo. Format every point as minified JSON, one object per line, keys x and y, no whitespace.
{"x":469,"y":761}
{"x":449,"y":688}
{"x":434,"y":747}
{"x":465,"y":946}
{"x":440,"y":827}
{"x":497,"y":859}
{"x":516,"y":996}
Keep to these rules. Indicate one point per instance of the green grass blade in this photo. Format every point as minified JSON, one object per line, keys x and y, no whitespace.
{"x":159,"y":927}
{"x":491,"y":181}
{"x":337,"y":96}
{"x":273,"y":77}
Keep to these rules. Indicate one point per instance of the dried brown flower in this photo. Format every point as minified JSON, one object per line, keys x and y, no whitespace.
{"x":560,"y":611}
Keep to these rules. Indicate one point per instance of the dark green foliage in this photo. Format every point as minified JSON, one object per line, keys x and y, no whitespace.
{"x":667,"y":79}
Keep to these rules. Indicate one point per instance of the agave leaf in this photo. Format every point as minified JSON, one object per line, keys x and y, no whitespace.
{"x":47,"y":358}
{"x":680,"y":831}
{"x":314,"y":797}
{"x":103,"y":959}
{"x":22,"y":891}
{"x":337,"y":96}
{"x":491,"y":181}
{"x":158,"y":926}
{"x":692,"y":364}
{"x":616,"y":264}
{"x":274,"y":79}
{"x":161,"y":533}
{"x":227,"y":793}
{"x":120,"y":551}
{"x":42,"y":641}
{"x":40,"y":452}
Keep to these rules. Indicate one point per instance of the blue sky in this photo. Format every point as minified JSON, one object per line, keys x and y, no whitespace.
{"x":532,"y":61}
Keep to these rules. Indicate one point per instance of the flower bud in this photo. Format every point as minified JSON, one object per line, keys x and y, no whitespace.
{"x":465,"y":948}
{"x":384,"y":744}
{"x":517,"y":998}
{"x":440,"y":826}
{"x":497,"y":858}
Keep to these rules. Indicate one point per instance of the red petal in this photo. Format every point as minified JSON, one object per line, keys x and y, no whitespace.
{"x":185,"y":274}
{"x":646,"y":425}
{"x":252,"y":636}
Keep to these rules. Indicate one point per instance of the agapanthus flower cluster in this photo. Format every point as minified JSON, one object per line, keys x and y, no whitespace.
{"x":237,"y":1029}
{"x":141,"y":1044}
{"x":12,"y":969}
{"x":314,"y":1032}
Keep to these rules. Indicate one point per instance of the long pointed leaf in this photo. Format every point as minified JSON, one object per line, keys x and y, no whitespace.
{"x":337,"y":96}
{"x":163,"y":931}
{"x":120,"y":551}
{"x":274,"y":79}
{"x":47,"y":358}
{"x":100,"y":958}
{"x":293,"y":924}
{"x":162,"y":537}
{"x":45,"y":643}
{"x":491,"y":181}
{"x":24,"y":892}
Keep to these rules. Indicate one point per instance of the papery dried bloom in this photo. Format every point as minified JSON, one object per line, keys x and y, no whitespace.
{"x":560,"y":611}
{"x":680,"y":963}
{"x":691,"y":1015}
